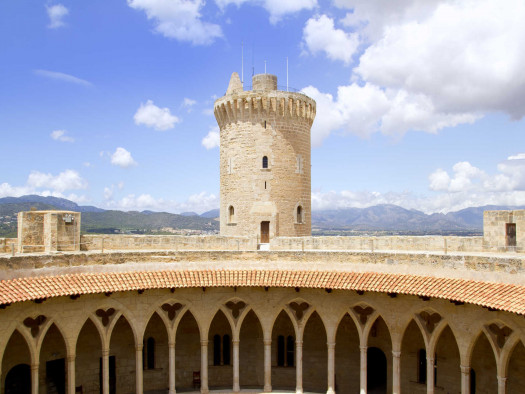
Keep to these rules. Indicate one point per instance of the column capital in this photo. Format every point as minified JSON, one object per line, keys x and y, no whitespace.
{"x":465,"y":369}
{"x":331,"y":345}
{"x":502,"y":379}
{"x":396,"y":353}
{"x":204,"y":342}
{"x":267,"y":342}
{"x":105,"y":352}
{"x":71,"y":357}
{"x":299,"y":343}
{"x":138,"y":348}
{"x":431,"y":360}
{"x":236,"y":341}
{"x":363,"y":348}
{"x":34,"y":366}
{"x":171,"y":344}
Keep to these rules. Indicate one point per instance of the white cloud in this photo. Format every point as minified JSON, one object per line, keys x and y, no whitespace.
{"x":62,"y":77}
{"x":108,"y":193}
{"x":519,"y":156}
{"x":56,"y":15}
{"x":200,"y":202}
{"x":61,"y":135}
{"x":152,"y":116}
{"x":320,"y":35}
{"x":188,"y":104}
{"x":66,"y":180}
{"x":276,"y":8}
{"x":179,"y":19}
{"x":122,"y":158}
{"x":212,"y":139}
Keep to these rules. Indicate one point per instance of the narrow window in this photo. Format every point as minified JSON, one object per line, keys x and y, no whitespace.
{"x":150,"y":350}
{"x":264,"y":124}
{"x":299,"y":214}
{"x":511,"y":234}
{"x":231,"y":214}
{"x":290,"y":351}
{"x":264,"y":185}
{"x":216,"y":350}
{"x":280,"y":351}
{"x":265,"y":162}
{"x":226,"y":349}
{"x":422,"y":366}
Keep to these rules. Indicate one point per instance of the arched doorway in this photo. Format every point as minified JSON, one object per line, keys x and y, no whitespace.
{"x":376,"y":376}
{"x":283,"y":353}
{"x":122,"y":363}
{"x":16,"y":353}
{"x":155,"y":355}
{"x":18,"y":380}
{"x":447,"y":365}
{"x":53,"y":362}
{"x":484,"y":364}
{"x":87,"y":368}
{"x":315,"y":355}
{"x":187,"y":354}
{"x":347,"y":359}
{"x":251,"y":353}
{"x":413,"y":360}
{"x":220,"y":356}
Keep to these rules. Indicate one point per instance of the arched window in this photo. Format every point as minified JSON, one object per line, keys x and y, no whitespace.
{"x":231,"y":214}
{"x":280,"y":351}
{"x":150,"y":353}
{"x":299,"y":214}
{"x":265,"y":162}
{"x":226,"y":349}
{"x":216,"y":350}
{"x":290,"y":351}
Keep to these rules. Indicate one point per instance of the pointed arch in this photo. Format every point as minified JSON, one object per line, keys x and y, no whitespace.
{"x":155,"y":355}
{"x":53,"y":356}
{"x":251,"y":352}
{"x":515,"y":368}
{"x":17,"y":352}
{"x":448,"y":361}
{"x":347,"y":361}
{"x":89,"y":345}
{"x":187,"y":350}
{"x":378,"y":337}
{"x":315,"y":354}
{"x":413,"y":359}
{"x":220,"y":351}
{"x":284,"y":334}
{"x":484,"y":363}
{"x":122,"y":342}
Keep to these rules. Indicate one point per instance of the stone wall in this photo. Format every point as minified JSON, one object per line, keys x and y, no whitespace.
{"x":494,"y":230}
{"x":5,"y":244}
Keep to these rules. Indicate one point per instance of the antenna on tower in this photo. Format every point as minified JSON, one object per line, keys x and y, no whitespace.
{"x":287,"y":73}
{"x":242,"y":63}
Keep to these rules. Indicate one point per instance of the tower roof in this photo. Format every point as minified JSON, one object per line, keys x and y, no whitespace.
{"x":235,"y":85}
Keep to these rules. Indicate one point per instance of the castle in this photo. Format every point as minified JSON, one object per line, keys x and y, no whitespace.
{"x":264,"y":306}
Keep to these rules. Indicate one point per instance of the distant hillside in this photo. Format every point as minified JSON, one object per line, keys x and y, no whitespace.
{"x":214,"y":213}
{"x":58,"y":203}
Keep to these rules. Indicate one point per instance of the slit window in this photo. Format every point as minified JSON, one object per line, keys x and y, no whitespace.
{"x":231,"y":214}
{"x":216,"y":350}
{"x":299,"y":214}
{"x":265,"y":162}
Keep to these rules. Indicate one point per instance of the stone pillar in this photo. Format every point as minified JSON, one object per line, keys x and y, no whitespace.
{"x":396,"y":372}
{"x":71,"y":374}
{"x":267,"y":365}
{"x":204,"y":367}
{"x":34,"y":378}
{"x":502,"y":385}
{"x":171,"y":346}
{"x":236,"y":386}
{"x":363,"y":370}
{"x":299,"y":367}
{"x":331,"y":368}
{"x":105,"y":371}
{"x":430,"y":374}
{"x":138,"y":368}
{"x":465,"y":379}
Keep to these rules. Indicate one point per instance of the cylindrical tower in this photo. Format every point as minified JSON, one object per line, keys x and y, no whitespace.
{"x":264,"y":160}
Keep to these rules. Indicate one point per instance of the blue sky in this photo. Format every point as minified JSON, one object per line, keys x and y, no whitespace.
{"x":109,"y":103}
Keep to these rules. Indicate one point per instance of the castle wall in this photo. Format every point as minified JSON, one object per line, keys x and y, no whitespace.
{"x":494,"y":230}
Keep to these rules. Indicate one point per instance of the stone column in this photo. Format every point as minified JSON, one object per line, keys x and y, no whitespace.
{"x":465,"y":379}
{"x":299,"y":367}
{"x":267,"y":365}
{"x":430,"y":374}
{"x":363,"y":370}
{"x":204,"y":367}
{"x":71,"y":374}
{"x":105,"y":371}
{"x":34,"y":378}
{"x":396,"y":372}
{"x":138,"y":368}
{"x":171,"y":346}
{"x":502,"y":385}
{"x":236,"y":386}
{"x":331,"y":368}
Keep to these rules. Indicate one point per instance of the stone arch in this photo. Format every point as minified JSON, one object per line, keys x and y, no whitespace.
{"x":315,"y":354}
{"x":155,"y":354}
{"x":289,"y":315}
{"x":300,"y":323}
{"x":16,"y":352}
{"x":347,"y":355}
{"x":220,"y":351}
{"x":413,"y":359}
{"x":122,"y":347}
{"x":42,"y":334}
{"x":53,"y":353}
{"x":122,"y":314}
{"x":377,"y":335}
{"x":284,"y":327}
{"x":515,"y":367}
{"x":251,"y":351}
{"x":448,"y":361}
{"x":483,"y":362}
{"x":87,"y":363}
{"x":187,"y":350}
{"x":84,"y":319}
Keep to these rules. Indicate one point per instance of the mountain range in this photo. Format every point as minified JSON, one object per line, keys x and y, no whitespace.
{"x":378,"y":218}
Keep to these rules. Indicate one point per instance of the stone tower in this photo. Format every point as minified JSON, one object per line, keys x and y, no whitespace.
{"x":264,"y":160}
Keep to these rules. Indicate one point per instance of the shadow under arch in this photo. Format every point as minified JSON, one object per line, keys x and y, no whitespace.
{"x":378,"y":338}
{"x":284,"y":333}
{"x":52,"y":358}
{"x":187,"y":352}
{"x":315,"y":355}
{"x":347,"y":357}
{"x":155,"y":352}
{"x":447,"y":367}
{"x":413,"y":359}
{"x":515,"y":368}
{"x":16,"y":353}
{"x":220,"y":352}
{"x":251,"y":352}
{"x":483,"y":364}
{"x":88,"y":354}
{"x":122,"y":366}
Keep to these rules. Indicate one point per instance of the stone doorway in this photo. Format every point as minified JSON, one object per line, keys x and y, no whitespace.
{"x":265,"y":232}
{"x":511,"y":234}
{"x":18,"y":380}
{"x":376,"y":371}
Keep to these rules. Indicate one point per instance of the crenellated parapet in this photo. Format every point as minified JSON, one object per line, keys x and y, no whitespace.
{"x":256,"y":106}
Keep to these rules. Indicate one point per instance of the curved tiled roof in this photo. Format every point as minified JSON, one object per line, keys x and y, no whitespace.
{"x":501,"y":296}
